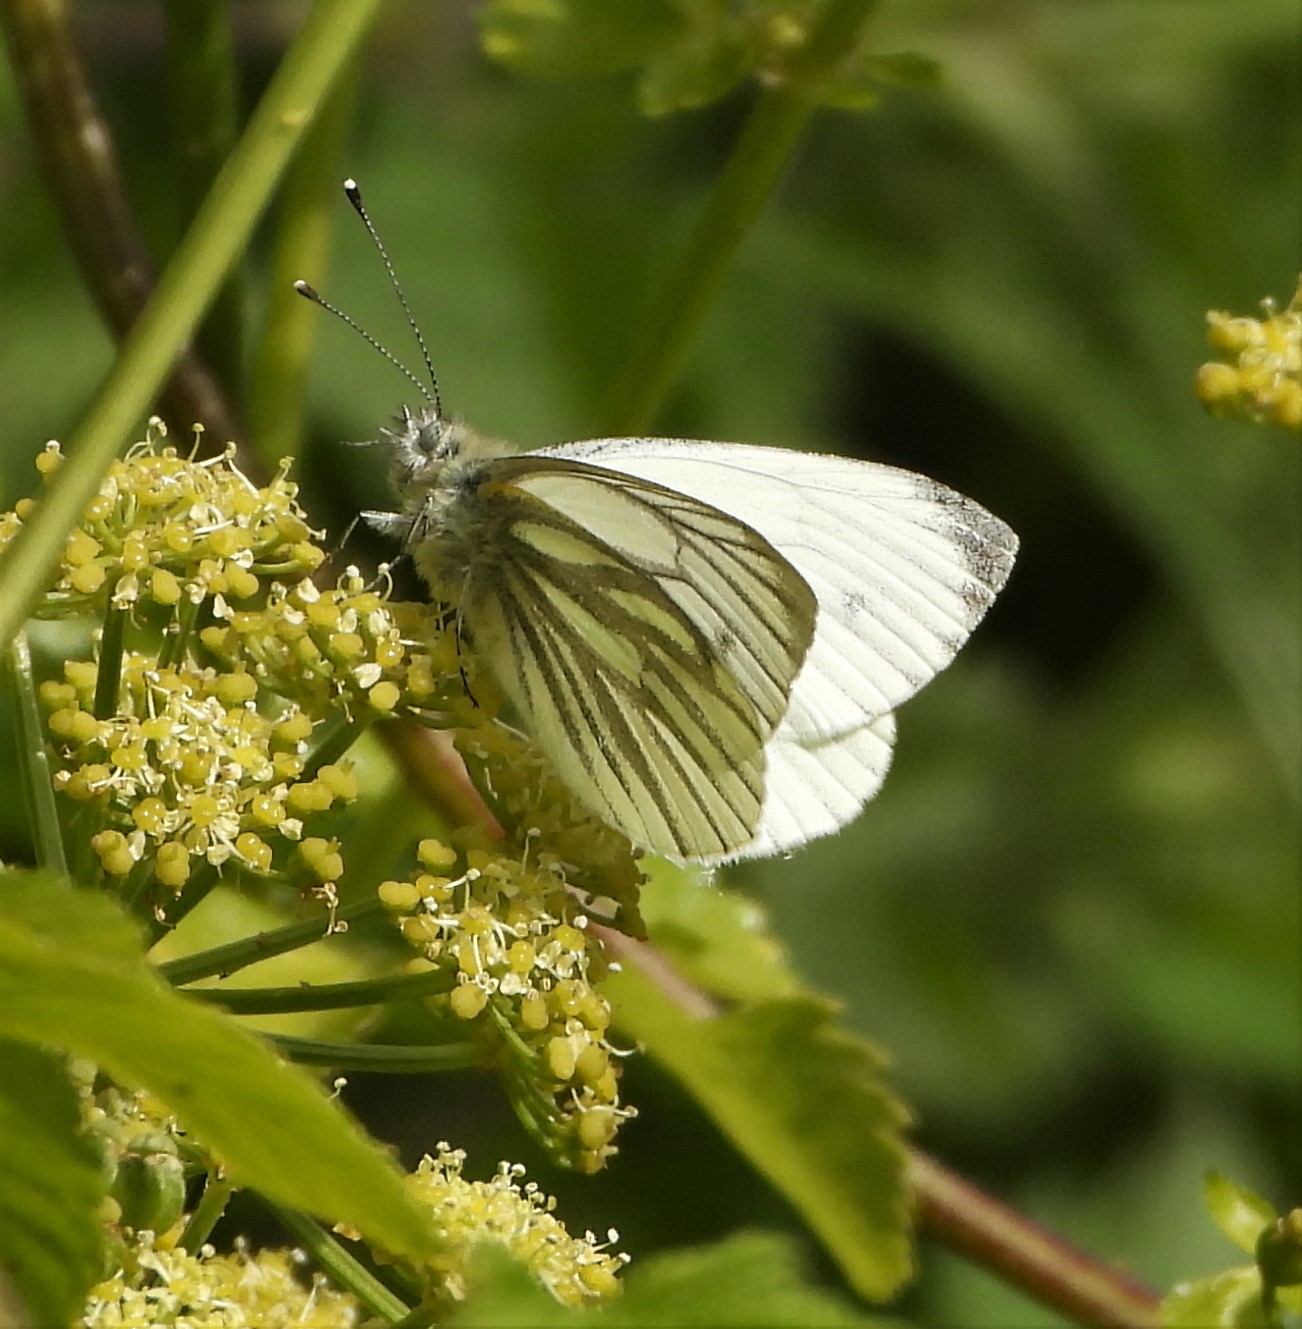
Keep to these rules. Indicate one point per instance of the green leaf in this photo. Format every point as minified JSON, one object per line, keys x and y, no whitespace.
{"x":718,"y":938}
{"x":904,"y":69}
{"x":697,"y":71}
{"x":1240,"y":1213}
{"x":69,"y":978}
{"x":51,"y":1182}
{"x":806,"y":1102}
{"x":750,"y":1279}
{"x":569,"y":38}
{"x":1231,"y":1300}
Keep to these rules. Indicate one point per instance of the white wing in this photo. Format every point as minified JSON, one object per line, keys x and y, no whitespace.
{"x":648,"y":641}
{"x":903,"y":569}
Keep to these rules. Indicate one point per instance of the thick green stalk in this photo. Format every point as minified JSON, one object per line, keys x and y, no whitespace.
{"x":309,"y":202}
{"x":326,"y":996}
{"x":380,"y":1058}
{"x":263,"y":945}
{"x":203,"y":102}
{"x":222,"y":227}
{"x":762,"y":154}
{"x":33,"y":760}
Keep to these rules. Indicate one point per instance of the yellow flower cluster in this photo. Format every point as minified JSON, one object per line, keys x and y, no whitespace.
{"x":1257,"y":376}
{"x":467,"y":1214}
{"x":348,"y":643}
{"x":510,"y":918}
{"x":165,"y":530}
{"x":517,"y":939}
{"x":165,"y":1288}
{"x":156,"y":1284}
{"x":186,"y":768}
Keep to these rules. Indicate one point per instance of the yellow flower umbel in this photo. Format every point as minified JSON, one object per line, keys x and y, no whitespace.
{"x":524,"y":965}
{"x":1257,"y":376}
{"x":154,"y":1282}
{"x":577,"y":1271}
{"x":169,"y":763}
{"x":164,"y":1288}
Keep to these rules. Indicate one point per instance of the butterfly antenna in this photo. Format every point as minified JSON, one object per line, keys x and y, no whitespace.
{"x":354,"y":196}
{"x":310,"y":293}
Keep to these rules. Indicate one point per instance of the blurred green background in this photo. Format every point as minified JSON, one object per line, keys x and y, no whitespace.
{"x":1072,"y":917}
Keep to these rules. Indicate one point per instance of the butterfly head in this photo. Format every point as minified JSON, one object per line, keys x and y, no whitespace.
{"x":425,"y":442}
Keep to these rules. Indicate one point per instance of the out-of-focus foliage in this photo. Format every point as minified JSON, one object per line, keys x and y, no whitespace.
{"x":1073,"y":914}
{"x":1253,"y":1294}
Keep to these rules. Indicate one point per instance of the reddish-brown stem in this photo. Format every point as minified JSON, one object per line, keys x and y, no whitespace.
{"x":1025,"y":1255}
{"x":960,"y":1215}
{"x":75,"y":145}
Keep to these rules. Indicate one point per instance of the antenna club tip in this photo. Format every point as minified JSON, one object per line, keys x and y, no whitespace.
{"x":307,"y":291}
{"x":352,"y":188}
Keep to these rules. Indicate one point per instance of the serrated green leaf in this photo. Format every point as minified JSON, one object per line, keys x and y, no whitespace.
{"x":571,"y":38}
{"x":750,"y":1279}
{"x":1231,"y":1300}
{"x":719,"y":939}
{"x":51,"y":1183}
{"x":807,"y":1104}
{"x":1240,"y":1213}
{"x":271,"y":1123}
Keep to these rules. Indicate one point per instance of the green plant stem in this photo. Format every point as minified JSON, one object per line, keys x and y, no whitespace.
{"x":309,"y":202}
{"x":336,"y":1261}
{"x":75,"y":145}
{"x":765,"y":148}
{"x":329,"y":35}
{"x":176,"y":640}
{"x":203,"y":97}
{"x":325,"y":996}
{"x":33,"y":760}
{"x":108,"y":677}
{"x":380,"y":1058}
{"x":240,"y":954}
{"x":212,"y":1204}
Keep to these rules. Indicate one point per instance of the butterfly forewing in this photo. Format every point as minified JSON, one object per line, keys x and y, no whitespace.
{"x":649,"y":641}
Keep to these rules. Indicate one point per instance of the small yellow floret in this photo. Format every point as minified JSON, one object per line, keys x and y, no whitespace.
{"x":255,"y":851}
{"x":348,"y":645}
{"x":241,"y":583}
{"x":86,"y":579}
{"x":399,"y":896}
{"x":236,"y":688}
{"x":384,"y":696}
{"x":114,"y":852}
{"x":47,"y":462}
{"x":164,"y":587}
{"x":435,"y":854}
{"x":151,"y":816}
{"x":293,"y":729}
{"x":340,"y":780}
{"x":467,"y":1000}
{"x":80,"y":548}
{"x":172,"y":865}
{"x":322,"y":857}
{"x":309,"y":796}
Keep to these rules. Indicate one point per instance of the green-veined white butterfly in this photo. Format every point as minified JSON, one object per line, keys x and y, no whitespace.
{"x":707,"y":639}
